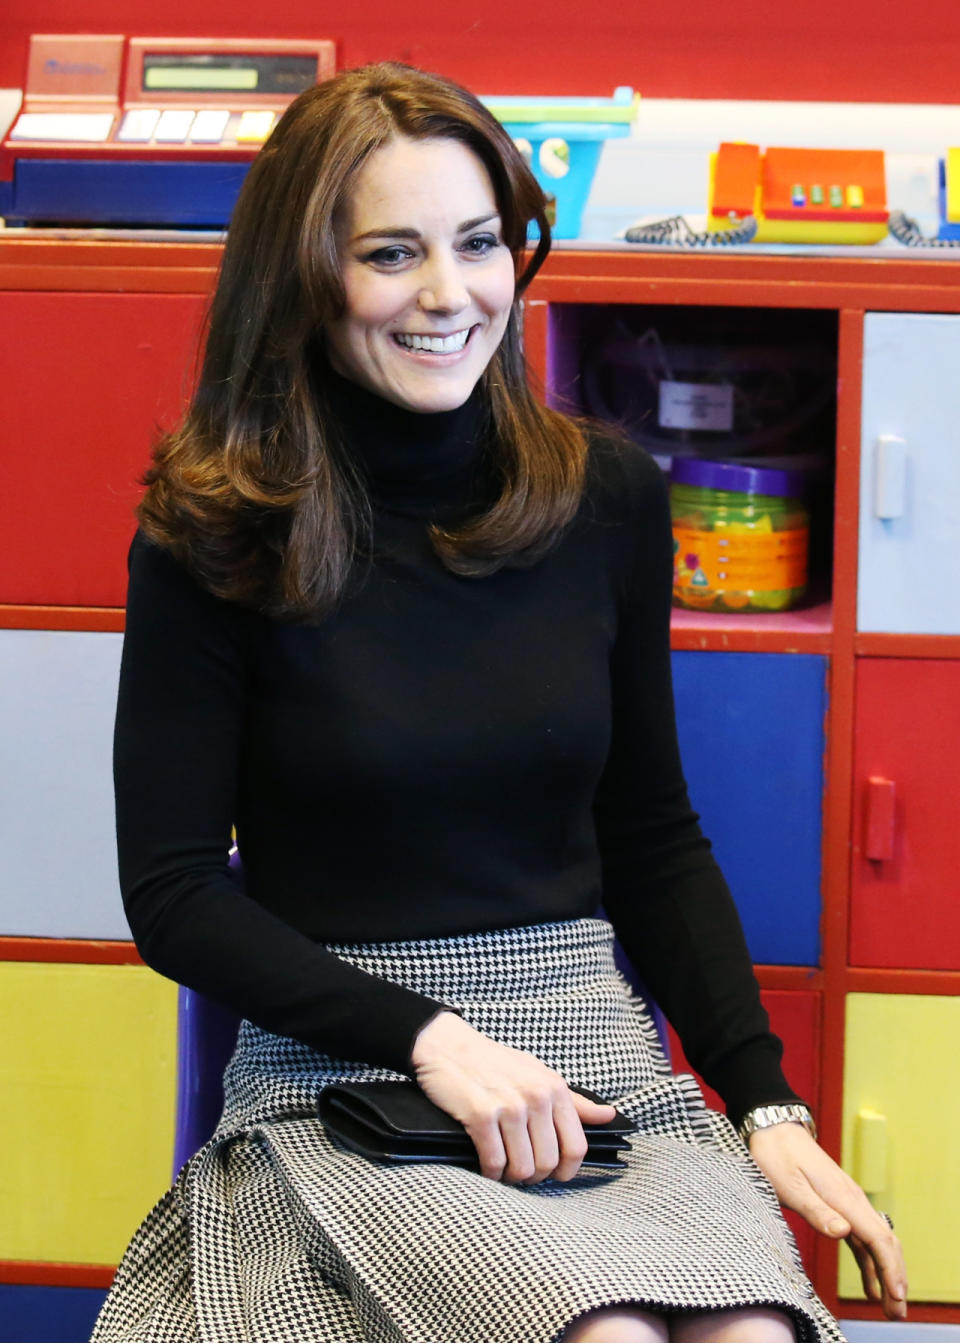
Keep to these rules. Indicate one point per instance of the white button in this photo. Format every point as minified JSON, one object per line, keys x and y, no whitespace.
{"x":73,"y":126}
{"x":138,"y":124}
{"x":209,"y":126}
{"x":174,"y":125}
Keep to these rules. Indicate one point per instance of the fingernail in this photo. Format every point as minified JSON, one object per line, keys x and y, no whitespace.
{"x":836,"y":1227}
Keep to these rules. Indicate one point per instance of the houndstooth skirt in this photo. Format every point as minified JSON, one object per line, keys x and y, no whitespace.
{"x":274,"y":1234}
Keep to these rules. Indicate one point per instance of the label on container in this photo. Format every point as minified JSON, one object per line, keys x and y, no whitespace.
{"x":696,"y":405}
{"x":735,"y":568}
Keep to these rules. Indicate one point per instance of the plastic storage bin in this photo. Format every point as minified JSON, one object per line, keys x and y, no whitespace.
{"x":740,"y":536}
{"x":562,"y":139}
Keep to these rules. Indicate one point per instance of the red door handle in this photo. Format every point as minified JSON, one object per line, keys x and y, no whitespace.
{"x":880,"y":819}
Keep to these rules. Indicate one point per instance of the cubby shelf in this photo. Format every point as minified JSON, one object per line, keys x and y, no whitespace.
{"x":807,"y":630}
{"x":161,"y":287}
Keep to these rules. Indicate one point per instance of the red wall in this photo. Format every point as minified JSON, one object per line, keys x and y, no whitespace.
{"x":856,"y":50}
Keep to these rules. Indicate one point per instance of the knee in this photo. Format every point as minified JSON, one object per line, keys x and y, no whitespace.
{"x":617,"y":1326}
{"x":757,"y":1325}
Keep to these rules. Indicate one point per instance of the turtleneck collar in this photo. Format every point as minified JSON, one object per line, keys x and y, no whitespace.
{"x":413,"y":462}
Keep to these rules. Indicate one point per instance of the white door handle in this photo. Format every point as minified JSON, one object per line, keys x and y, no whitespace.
{"x":890,"y":483}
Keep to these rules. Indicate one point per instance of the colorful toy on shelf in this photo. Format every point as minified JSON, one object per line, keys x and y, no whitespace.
{"x":740,"y":536}
{"x":800,"y":195}
{"x":146,"y":131}
{"x":950,"y":196}
{"x":562,"y":139}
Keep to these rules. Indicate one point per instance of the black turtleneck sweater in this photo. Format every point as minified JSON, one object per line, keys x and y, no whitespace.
{"x":441,"y":755}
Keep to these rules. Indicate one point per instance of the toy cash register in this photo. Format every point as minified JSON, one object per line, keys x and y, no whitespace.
{"x":146,"y":131}
{"x":800,"y":195}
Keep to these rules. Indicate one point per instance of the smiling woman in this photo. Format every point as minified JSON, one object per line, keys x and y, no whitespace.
{"x":428,"y":280}
{"x":407,"y":631}
{"x":257,"y":492}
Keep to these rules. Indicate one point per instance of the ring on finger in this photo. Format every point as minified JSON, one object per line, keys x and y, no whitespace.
{"x":886,"y":1217}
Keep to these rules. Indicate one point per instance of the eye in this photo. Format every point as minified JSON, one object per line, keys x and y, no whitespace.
{"x":389,"y":258}
{"x":480,"y":244}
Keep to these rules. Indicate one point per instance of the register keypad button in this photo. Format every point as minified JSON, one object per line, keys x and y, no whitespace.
{"x":254,"y":127}
{"x":73,"y":127}
{"x":138,"y":125}
{"x":209,"y":126}
{"x":174,"y":125}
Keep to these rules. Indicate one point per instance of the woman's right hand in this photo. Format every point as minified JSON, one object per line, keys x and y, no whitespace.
{"x":523,"y":1119}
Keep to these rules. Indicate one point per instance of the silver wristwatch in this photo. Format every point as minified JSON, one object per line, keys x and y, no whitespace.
{"x":765,"y":1116}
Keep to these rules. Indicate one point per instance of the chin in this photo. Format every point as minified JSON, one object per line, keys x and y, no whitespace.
{"x":430,"y":401}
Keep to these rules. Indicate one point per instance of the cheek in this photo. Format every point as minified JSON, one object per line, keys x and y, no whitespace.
{"x":370,"y":304}
{"x":501,"y":291}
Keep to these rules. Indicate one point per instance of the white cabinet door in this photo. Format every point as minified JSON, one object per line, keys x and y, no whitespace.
{"x":909,"y":574}
{"x":58,"y":864}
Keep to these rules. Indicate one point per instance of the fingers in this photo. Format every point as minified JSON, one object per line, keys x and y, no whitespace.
{"x":868,"y":1269}
{"x":808,"y":1180}
{"x":571,"y":1137}
{"x":879,"y":1257}
{"x":531,"y":1151}
{"x":591,"y":1112}
{"x":524,"y":1121}
{"x":539,"y":1138}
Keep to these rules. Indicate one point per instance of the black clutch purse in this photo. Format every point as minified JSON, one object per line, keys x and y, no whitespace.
{"x":395,"y":1121}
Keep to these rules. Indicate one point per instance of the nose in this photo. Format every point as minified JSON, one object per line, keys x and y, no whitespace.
{"x":443,"y":289}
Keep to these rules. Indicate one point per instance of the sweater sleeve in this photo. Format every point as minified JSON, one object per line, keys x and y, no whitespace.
{"x":663,"y":891}
{"x":184,"y":687}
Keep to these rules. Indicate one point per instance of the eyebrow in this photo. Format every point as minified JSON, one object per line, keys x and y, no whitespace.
{"x":396,"y":231}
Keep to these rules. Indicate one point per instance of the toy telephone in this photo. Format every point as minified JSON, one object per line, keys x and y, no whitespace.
{"x":800,"y":195}
{"x":141,"y":131}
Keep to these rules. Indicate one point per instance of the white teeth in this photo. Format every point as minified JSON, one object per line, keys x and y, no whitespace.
{"x":434,"y":344}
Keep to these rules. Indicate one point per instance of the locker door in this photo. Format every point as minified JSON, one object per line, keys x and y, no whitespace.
{"x":88,"y":378}
{"x":751,"y":734}
{"x":901,"y":1112}
{"x":58,"y":849}
{"x":904,"y":908}
{"x":88,"y":1103}
{"x":910,"y":475}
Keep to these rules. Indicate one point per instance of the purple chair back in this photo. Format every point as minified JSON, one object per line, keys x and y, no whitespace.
{"x":638,"y":986}
{"x":206,"y":1036}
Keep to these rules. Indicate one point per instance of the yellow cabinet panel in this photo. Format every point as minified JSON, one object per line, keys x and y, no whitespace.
{"x":87,"y":1076}
{"x":901,"y":1120}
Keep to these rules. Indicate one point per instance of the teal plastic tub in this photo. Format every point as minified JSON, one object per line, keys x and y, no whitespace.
{"x":561,"y":138}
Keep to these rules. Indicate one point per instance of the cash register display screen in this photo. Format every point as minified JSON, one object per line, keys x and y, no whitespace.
{"x":229,"y":73}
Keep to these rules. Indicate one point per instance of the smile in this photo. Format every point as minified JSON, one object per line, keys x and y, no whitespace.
{"x":434,"y":344}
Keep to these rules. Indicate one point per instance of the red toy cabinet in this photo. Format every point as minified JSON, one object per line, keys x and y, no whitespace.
{"x":92,"y":379}
{"x":98,"y":342}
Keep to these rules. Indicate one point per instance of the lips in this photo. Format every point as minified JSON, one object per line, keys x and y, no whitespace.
{"x":451,"y":344}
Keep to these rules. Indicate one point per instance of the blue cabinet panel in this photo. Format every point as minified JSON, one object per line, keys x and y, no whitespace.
{"x":48,"y":1314}
{"x":751,"y":734}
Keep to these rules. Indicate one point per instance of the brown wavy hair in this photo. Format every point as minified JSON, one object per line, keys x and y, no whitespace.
{"x":255,"y":491}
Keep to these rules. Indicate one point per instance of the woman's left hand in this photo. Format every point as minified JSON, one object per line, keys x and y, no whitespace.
{"x":807,"y":1180}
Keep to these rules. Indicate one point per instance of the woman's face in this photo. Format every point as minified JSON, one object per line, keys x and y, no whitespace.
{"x":429,"y":282}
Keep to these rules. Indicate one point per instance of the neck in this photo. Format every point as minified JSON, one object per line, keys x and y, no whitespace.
{"x":424,"y":460}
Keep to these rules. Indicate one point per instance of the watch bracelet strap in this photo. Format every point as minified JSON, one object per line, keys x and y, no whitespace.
{"x":766,"y":1116}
